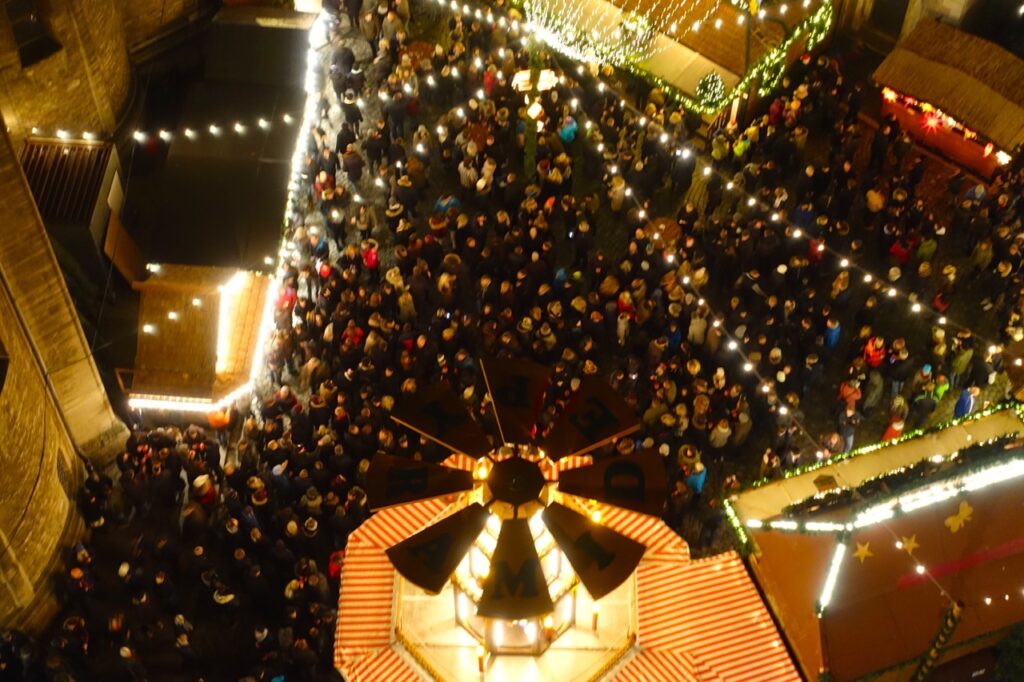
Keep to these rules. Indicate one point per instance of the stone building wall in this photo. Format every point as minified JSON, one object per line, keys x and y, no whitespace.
{"x":52,"y":404}
{"x":34,"y":505}
{"x":82,"y":87}
{"x":145,"y":19}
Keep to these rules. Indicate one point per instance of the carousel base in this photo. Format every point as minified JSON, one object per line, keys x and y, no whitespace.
{"x":428,"y":636}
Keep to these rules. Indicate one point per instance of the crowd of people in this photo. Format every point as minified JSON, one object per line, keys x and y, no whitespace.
{"x":422,"y":243}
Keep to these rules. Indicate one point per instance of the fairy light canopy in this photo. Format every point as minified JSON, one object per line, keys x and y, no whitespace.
{"x":523,"y":535}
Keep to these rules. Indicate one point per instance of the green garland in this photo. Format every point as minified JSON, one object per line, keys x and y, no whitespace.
{"x":769,"y":70}
{"x":910,"y":435}
{"x":740,"y":529}
{"x":946,"y":630}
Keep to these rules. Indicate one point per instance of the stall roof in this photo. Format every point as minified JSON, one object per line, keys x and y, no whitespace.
{"x":974,"y":81}
{"x":956,"y":538}
{"x":199,"y":330}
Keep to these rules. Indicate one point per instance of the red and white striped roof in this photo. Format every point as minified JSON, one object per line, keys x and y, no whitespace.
{"x":383,"y":666}
{"x":648,"y":666}
{"x":711,"y":609}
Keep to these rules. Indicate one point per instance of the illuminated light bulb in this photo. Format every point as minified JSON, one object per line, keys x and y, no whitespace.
{"x":574,"y":103}
{"x":821,"y":247}
{"x":820,"y":454}
{"x":942,"y":320}
{"x":165,"y":135}
{"x":153,"y":267}
{"x":600,"y":146}
{"x":629,"y":191}
{"x":729,"y":185}
{"x":783,"y":8}
{"x":899,"y":544}
{"x":214,"y":129}
{"x":501,"y":55}
{"x":696,"y":26}
{"x":686,"y":279}
{"x":587,"y":125}
{"x":707,"y":170}
{"x":63,"y":134}
{"x":701,"y":301}
{"x":378,"y":181}
{"x":197,"y":303}
{"x":614,"y":169}
{"x":765,"y":388}
{"x":643,"y":214}
{"x":35,"y":130}
{"x":642,"y":121}
{"x":844,"y":263}
{"x":622,"y":104}
{"x":750,"y":201}
{"x":190,"y":134}
{"x":239,"y":128}
{"x":716,"y":324}
{"x":1018,"y":362}
{"x":807,"y":3}
{"x":440,"y":130}
{"x":477,"y":63}
{"x":867,"y":277}
{"x":739,"y":19}
{"x":148,"y":329}
{"x":672,"y":259}
{"x":733,"y":345}
{"x":992,"y":350}
{"x":420,"y":148}
{"x":916,"y":308}
{"x":747,"y":367}
{"x":460,"y":112}
{"x":686,"y":152}
{"x":797,"y":233}
{"x":920,"y":569}
{"x":455,"y":72}
{"x":287,"y":118}
{"x":718,"y":23}
{"x":775,"y":217}
{"x":988,"y":601}
{"x":600,"y":87}
{"x":172,"y":315}
{"x":891,"y":292}
{"x":761,"y":13}
{"x":139,"y":136}
{"x":263,"y":123}
{"x":783,"y":410}
{"x":430,"y":81}
{"x":595,"y":515}
{"x":357,"y":198}
{"x":664,"y":138}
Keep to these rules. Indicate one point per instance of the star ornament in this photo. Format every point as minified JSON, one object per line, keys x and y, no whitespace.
{"x":863,"y":551}
{"x":960,"y":519}
{"x":909,"y":543}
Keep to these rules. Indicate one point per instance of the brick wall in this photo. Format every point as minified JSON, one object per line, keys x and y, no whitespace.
{"x":83,"y":86}
{"x":34,"y":507}
{"x":144,"y":19}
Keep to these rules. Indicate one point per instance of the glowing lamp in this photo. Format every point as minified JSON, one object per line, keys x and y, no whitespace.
{"x":535,"y":110}
{"x":889,"y":94}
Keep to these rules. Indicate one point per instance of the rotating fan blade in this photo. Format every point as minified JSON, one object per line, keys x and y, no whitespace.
{"x":635,"y":482}
{"x":517,"y":390}
{"x":603,"y":558}
{"x":516,"y":586}
{"x":596,"y":415}
{"x":437,"y":413}
{"x":429,"y":558}
{"x":396,"y":480}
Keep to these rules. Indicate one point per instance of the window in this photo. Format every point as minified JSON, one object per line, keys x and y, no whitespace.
{"x":32,"y":37}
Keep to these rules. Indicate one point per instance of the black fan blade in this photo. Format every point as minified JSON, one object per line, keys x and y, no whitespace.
{"x":517,"y":390}
{"x":515,"y":587}
{"x":595,"y":415}
{"x":396,"y":480}
{"x":603,"y":558}
{"x":438,"y":414}
{"x":429,"y":557}
{"x":636,"y":482}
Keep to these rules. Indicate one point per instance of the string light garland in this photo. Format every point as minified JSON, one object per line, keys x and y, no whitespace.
{"x":933,"y":118}
{"x":766,"y":73}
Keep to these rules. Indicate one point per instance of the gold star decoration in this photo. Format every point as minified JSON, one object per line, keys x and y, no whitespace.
{"x":863,"y":551}
{"x":909,"y":543}
{"x":960,"y":519}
